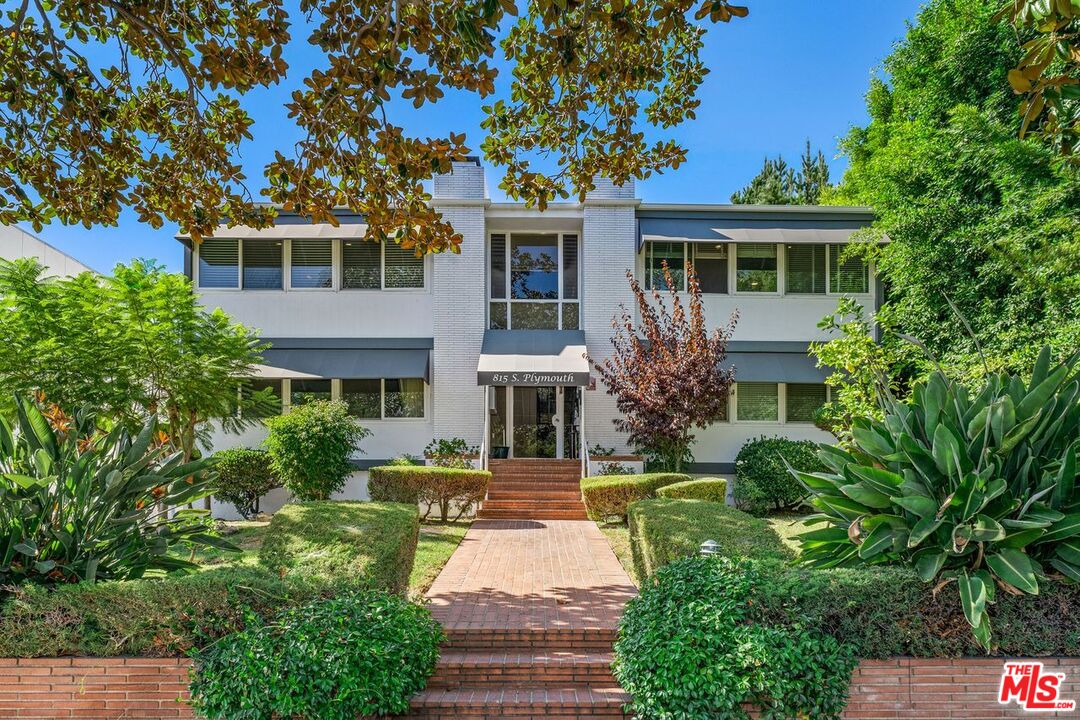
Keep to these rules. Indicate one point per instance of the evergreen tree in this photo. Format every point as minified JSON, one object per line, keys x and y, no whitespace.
{"x":778,"y":184}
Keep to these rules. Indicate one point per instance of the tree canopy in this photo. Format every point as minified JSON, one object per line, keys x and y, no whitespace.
{"x":780,"y":184}
{"x":118,"y":104}
{"x":975,"y":214}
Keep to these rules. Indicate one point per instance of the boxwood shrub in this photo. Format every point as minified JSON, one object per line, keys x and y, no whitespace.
{"x":358,"y":655}
{"x":443,"y":487}
{"x":244,"y":476}
{"x":666,"y":529}
{"x":363,"y":544}
{"x":608,"y":496}
{"x":762,"y":482}
{"x":711,"y":489}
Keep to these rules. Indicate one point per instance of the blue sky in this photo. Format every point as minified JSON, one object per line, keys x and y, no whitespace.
{"x":788,"y":72}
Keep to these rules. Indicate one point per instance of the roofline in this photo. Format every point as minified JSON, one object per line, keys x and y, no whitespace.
{"x":729,"y":209}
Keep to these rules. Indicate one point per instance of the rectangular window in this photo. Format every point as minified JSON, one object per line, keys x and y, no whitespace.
{"x":403,"y":268}
{"x":803,"y":400}
{"x":570,"y":267}
{"x":711,"y":266}
{"x":305,"y":391}
{"x":757,"y":402}
{"x":312,"y":264}
{"x":361,"y":265}
{"x":570,"y":316}
{"x":259,"y":384}
{"x":851,"y":276}
{"x":219,"y":263}
{"x":755,"y":268}
{"x":674,"y":254}
{"x":497,"y":318}
{"x":363,"y":397}
{"x":498,"y":267}
{"x":805,"y":269}
{"x":534,"y":267}
{"x":263,"y":266}
{"x":535,"y":316}
{"x":404,"y":398}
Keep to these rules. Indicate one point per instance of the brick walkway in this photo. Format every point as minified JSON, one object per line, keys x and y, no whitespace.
{"x":531,"y":574}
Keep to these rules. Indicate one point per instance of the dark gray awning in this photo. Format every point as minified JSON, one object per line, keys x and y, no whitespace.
{"x":348,"y":358}
{"x":533,"y":357}
{"x":785,"y":367}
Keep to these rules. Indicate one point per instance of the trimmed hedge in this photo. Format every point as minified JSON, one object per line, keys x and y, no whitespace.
{"x":244,"y":476}
{"x":361,"y":544}
{"x":666,"y":529}
{"x":442,"y":487}
{"x":762,"y":482}
{"x":608,"y":496}
{"x":711,"y":489}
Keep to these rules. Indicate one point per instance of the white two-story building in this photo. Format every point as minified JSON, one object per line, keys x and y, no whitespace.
{"x":487,"y":345}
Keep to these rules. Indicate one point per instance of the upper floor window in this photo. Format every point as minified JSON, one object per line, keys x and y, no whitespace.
{"x":709,"y":261}
{"x":814,"y":269}
{"x":755,"y":268}
{"x":848,"y":276}
{"x":534,"y":281}
{"x":263,"y":264}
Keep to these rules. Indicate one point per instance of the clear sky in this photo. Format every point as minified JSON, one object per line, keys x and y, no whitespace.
{"x":789,"y":72}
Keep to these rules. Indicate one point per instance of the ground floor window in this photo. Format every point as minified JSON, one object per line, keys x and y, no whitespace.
{"x":764,"y":402}
{"x":366,"y":398}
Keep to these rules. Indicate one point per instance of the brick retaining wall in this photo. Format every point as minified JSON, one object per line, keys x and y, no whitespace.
{"x":134,"y":688}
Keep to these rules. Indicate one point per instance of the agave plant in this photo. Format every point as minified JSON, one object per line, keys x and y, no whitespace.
{"x":80,"y":505}
{"x":977,"y":489}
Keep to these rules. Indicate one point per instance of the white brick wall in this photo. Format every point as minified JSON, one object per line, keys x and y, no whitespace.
{"x":609,"y":249}
{"x":466,"y":180}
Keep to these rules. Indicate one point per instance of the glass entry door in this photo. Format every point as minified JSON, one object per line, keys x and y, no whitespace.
{"x":536,"y":422}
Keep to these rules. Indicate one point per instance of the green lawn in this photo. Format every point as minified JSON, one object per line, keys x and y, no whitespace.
{"x":437,"y":542}
{"x":788,"y":526}
{"x":618,"y":537}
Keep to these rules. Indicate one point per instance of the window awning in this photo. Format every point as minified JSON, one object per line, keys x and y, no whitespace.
{"x":778,"y":229}
{"x":533,"y":357}
{"x":349,"y":358}
{"x":777,"y":367}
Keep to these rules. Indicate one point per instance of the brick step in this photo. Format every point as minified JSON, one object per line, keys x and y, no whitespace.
{"x":532,"y":515}
{"x":533,"y":504}
{"x":502,"y":494}
{"x":556,"y":668}
{"x":519,"y":703}
{"x":528,"y":639}
{"x":538,"y":479}
{"x":525,"y":462}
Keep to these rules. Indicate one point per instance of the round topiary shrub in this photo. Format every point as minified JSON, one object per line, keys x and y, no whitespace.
{"x":710,"y":489}
{"x":762,"y":482}
{"x":358,"y":655}
{"x":310,"y":448}
{"x":244,"y":476}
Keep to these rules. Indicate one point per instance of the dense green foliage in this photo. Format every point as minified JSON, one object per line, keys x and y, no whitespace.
{"x":81,"y":505}
{"x":979,"y":488}
{"x":664,"y":530}
{"x":319,"y":550}
{"x":711,"y":489}
{"x":129,"y":345}
{"x":762,"y":481}
{"x":362,"y":544}
{"x":687,"y":649}
{"x":311,"y":446}
{"x":243,"y":476}
{"x":973,"y":213}
{"x":451,"y":452}
{"x":444,"y":487}
{"x":777,"y":183}
{"x":607,"y":497}
{"x":357,"y":655}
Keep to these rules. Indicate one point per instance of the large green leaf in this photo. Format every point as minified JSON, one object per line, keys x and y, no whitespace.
{"x":877,"y":542}
{"x":1065,"y":482}
{"x":1015,"y":568}
{"x":947,"y":451}
{"x":917,"y":504}
{"x":928,"y":563}
{"x":1040,"y":394}
{"x":1063,"y":529}
{"x":877,"y":478}
{"x":923,"y":529}
{"x":986,"y":529}
{"x":1068,"y":569}
{"x":972,"y":597}
{"x":867,"y":496}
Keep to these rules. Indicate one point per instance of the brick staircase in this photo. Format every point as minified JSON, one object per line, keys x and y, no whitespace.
{"x":534,"y":489}
{"x":523,"y":675}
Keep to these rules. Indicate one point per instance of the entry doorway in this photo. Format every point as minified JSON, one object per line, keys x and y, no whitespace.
{"x":533,"y":421}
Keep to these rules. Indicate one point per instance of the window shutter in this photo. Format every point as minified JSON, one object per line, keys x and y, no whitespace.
{"x":850,"y":276}
{"x":312,"y":264}
{"x":361,"y":265}
{"x":403,"y":268}
{"x":219,"y":263}
{"x":805,"y":269}
{"x":498,"y":266}
{"x":570,"y":267}
{"x":757,"y":402}
{"x":263,"y":265}
{"x":803,"y":400}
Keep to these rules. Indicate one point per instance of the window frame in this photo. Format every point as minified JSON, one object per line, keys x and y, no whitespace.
{"x":690,"y":253}
{"x":336,"y":394}
{"x":828,"y":274}
{"x":781,"y":273}
{"x":508,"y":300}
{"x":781,"y":406}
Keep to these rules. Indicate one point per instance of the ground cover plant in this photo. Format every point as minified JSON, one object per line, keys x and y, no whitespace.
{"x":762,"y":481}
{"x":243,"y":476}
{"x":607,"y":497}
{"x":357,"y":655}
{"x":976,"y":489}
{"x":447,"y":488}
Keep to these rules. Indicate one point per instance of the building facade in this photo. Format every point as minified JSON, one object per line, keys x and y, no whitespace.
{"x":487,"y":345}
